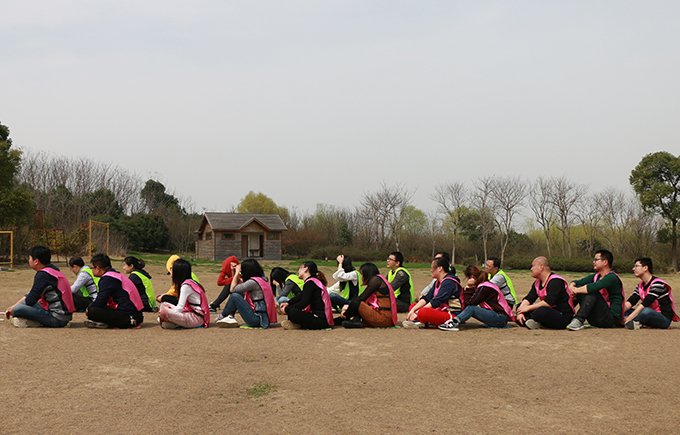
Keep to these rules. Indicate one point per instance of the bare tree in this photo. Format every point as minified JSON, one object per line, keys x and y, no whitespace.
{"x":434,"y":227}
{"x":451,"y":198}
{"x":384,"y":208}
{"x":589,"y":217}
{"x":508,"y":196}
{"x":563,"y":196}
{"x":539,"y":202}
{"x":483,"y":201}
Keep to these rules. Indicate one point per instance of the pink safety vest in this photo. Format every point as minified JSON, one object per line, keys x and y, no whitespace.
{"x":129,"y":288}
{"x":543,"y":292}
{"x":655,"y":306}
{"x":605,"y":293}
{"x":500,"y":298}
{"x":204,"y":311}
{"x":437,"y":287}
{"x":373,"y":300}
{"x":64,"y":288}
{"x":268,"y":299}
{"x":326,"y":301}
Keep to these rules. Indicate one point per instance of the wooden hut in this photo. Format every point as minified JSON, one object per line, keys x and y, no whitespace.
{"x":245,"y":235}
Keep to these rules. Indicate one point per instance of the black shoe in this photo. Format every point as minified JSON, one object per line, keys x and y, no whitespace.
{"x":353,"y":324}
{"x":213,"y":309}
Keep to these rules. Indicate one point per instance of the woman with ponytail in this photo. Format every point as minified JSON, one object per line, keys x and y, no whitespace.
{"x":483,"y":300}
{"x":311,"y":308}
{"x":134,"y":267}
{"x":251,"y":296}
{"x":192,"y":309}
{"x":376,"y":306}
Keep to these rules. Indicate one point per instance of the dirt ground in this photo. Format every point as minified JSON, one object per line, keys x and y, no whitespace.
{"x":77,"y":380}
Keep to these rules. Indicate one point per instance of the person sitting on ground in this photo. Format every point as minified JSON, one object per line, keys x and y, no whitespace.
{"x":251,"y":296}
{"x":483,"y":300}
{"x":427,"y":288}
{"x":118,"y":304}
{"x":600,"y":295}
{"x":433,"y":307}
{"x":84,"y":289}
{"x":347,"y":287}
{"x":376,"y":306}
{"x":192,"y":310}
{"x":134,"y":267}
{"x":549,"y":303}
{"x":400,"y":280}
{"x":311,"y":308}
{"x":224,"y":280}
{"x":50,"y":301}
{"x":655,"y":307}
{"x":500,"y":279}
{"x":172,"y":295}
{"x":287,"y":284}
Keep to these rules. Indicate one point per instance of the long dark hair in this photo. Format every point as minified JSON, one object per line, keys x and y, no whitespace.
{"x":181,"y":271}
{"x":251,"y":269}
{"x":368,"y":271}
{"x":314,"y":272}
{"x":135,"y":262}
{"x":474,"y":271}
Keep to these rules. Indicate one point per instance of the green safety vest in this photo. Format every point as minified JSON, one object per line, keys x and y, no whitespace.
{"x":345,"y":292}
{"x":83,"y":289}
{"x":509,"y":283}
{"x":148,"y":287}
{"x":300,"y":283}
{"x":390,"y":276}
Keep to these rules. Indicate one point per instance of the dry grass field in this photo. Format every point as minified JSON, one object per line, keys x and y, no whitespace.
{"x":76,"y":380}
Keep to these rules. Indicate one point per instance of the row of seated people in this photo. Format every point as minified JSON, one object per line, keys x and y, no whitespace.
{"x":362,"y":298}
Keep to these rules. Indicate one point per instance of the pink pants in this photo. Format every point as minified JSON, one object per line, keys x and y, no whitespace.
{"x":185,"y":320}
{"x":432,"y":316}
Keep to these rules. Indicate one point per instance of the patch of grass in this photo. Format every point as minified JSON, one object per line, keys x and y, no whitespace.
{"x":249,"y":360}
{"x":260,"y":389}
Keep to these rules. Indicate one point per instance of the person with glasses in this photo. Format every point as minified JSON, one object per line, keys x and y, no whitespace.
{"x":655,"y":307}
{"x":401,"y":281}
{"x":501,"y":279}
{"x":600,"y":295}
{"x":433,"y":307}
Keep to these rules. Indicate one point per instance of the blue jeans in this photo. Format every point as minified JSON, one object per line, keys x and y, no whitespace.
{"x":488,"y":317}
{"x":281,"y":300}
{"x":236,"y":302}
{"x":338,"y":301}
{"x":653,"y":318}
{"x":39,"y":314}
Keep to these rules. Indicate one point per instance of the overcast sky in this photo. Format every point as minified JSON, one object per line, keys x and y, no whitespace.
{"x":319,"y":101}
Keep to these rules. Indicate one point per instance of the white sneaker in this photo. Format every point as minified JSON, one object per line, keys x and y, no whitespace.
{"x":532,"y":324}
{"x":448,"y":326}
{"x":632,"y":324}
{"x":20,"y":322}
{"x":97,"y":325}
{"x":227,"y":322}
{"x":408,"y":324}
{"x":170,"y":325}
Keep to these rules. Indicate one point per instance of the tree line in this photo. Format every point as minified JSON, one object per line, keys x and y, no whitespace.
{"x":509,"y":217}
